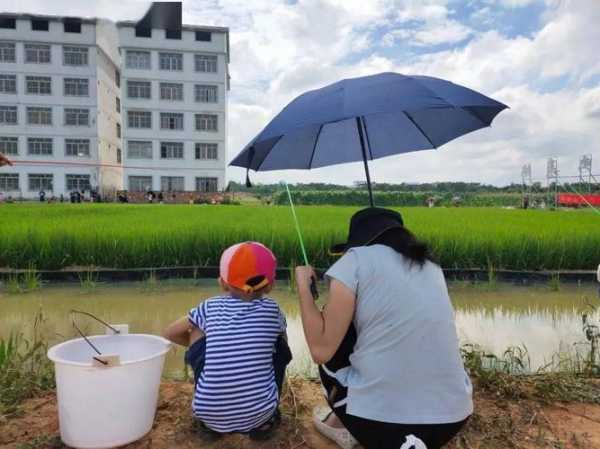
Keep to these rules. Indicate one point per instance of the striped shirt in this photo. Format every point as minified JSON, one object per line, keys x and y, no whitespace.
{"x":236,"y":391}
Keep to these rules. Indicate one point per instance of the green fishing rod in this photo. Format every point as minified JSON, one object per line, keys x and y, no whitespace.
{"x":313,"y":282}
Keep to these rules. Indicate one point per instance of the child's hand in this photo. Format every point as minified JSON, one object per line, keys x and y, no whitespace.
{"x":305,"y":276}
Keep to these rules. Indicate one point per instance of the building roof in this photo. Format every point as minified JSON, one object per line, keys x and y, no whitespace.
{"x":26,"y":16}
{"x":184,"y":27}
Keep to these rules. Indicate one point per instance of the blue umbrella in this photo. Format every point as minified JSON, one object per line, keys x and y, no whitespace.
{"x":367,"y":118}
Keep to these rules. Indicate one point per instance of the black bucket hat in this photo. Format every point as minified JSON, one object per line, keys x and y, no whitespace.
{"x":366,"y":225}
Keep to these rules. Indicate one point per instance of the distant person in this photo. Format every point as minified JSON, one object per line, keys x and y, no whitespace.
{"x":161,"y":198}
{"x":4,"y":161}
{"x":62,"y":198}
{"x":77,"y":196}
{"x":150,"y":196}
{"x":237,"y":347}
{"x":386,"y":341}
{"x":122,"y":196}
{"x":42,"y":196}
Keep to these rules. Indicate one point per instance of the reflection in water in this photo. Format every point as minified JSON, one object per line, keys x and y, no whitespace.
{"x":535,"y":317}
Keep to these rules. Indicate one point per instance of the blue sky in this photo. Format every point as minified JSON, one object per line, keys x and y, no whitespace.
{"x":537,"y":56}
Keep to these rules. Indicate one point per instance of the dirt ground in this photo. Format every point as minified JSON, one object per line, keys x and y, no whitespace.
{"x":498,"y":423}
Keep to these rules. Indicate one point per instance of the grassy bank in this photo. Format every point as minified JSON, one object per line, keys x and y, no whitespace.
{"x":127,"y":236}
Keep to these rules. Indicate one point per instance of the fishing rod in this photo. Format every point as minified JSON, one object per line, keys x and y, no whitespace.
{"x":313,"y":282}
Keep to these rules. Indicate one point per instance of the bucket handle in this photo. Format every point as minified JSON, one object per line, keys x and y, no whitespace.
{"x":72,"y":314}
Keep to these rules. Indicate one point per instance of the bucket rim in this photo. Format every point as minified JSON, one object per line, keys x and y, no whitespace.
{"x":51,"y":354}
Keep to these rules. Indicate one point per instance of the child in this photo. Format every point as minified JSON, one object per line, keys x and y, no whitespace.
{"x":237,"y":347}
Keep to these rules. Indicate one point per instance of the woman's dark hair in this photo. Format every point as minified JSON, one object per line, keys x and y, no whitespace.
{"x":404,"y":242}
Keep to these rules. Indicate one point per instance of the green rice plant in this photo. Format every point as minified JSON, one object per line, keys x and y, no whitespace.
{"x":31,"y":279}
{"x":135,"y":236}
{"x":12,"y":285}
{"x":554,"y":282}
{"x":88,"y":281}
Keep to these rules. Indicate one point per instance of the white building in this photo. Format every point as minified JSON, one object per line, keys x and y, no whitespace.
{"x":64,"y":83}
{"x":175,"y":87}
{"x":58,"y":105}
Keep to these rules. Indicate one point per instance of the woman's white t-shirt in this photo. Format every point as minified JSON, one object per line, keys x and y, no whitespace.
{"x":406,"y":366}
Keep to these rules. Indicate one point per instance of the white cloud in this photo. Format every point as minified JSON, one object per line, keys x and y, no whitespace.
{"x":280,"y":49}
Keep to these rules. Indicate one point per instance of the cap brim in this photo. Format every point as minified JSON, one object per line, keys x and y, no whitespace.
{"x":340,"y":248}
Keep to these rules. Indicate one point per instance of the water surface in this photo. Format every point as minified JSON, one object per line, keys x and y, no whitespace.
{"x":546,"y":322}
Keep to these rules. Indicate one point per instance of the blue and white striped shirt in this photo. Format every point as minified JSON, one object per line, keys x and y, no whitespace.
{"x":236,"y":391}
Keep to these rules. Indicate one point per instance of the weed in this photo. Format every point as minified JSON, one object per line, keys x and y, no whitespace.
{"x":24,"y":368}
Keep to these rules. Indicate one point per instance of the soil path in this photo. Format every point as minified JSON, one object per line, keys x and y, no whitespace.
{"x":496,"y":424}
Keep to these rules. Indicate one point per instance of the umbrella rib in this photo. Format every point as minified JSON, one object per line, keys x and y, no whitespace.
{"x":269,"y":152}
{"x":420,"y":129}
{"x":312,"y":155}
{"x":364,"y":125}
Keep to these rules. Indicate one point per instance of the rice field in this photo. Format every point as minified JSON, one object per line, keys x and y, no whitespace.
{"x":54,"y":236}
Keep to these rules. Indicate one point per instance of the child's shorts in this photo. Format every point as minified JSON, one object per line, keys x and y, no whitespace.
{"x":195,"y":357}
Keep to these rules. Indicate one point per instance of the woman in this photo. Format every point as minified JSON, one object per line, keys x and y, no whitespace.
{"x":386,"y":341}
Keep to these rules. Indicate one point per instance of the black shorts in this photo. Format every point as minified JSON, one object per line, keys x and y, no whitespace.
{"x":376,"y":434}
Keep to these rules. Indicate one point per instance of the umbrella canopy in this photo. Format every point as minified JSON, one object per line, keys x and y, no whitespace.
{"x":367,"y":118}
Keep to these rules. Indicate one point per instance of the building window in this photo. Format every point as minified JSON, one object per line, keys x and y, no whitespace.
{"x":9,"y":182}
{"x":118,"y":104}
{"x":207,"y":151}
{"x":77,"y":147}
{"x":119,"y":130}
{"x":206,"y":184}
{"x":140,"y":183}
{"x":171,"y":183}
{"x":206,"y":94}
{"x":117,"y":78}
{"x":9,"y":145}
{"x":143,"y":32}
{"x":78,"y":182}
{"x":203,"y":36}
{"x":135,"y":59}
{"x":8,"y":22}
{"x":39,"y":146}
{"x":206,"y":122}
{"x":171,"y":120}
{"x":76,"y":87}
{"x":7,"y":52}
{"x":39,"y":25}
{"x":119,"y":155}
{"x":39,"y":116}
{"x":75,"y":55}
{"x":171,"y":61}
{"x":72,"y":26}
{"x":8,"y":115}
{"x":8,"y":84}
{"x":171,"y":91}
{"x":139,"y":89}
{"x":139,"y":119}
{"x":77,"y":117}
{"x":139,"y":149}
{"x":37,"y":53}
{"x":173,"y":34}
{"x":39,"y":182}
{"x":205,"y":63}
{"x":38,"y":85}
{"x":171,"y":150}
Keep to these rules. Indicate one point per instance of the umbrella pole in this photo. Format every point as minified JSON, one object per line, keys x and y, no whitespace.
{"x":359,"y":125}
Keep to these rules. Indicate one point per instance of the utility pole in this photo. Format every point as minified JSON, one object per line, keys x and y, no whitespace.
{"x":552,"y":176}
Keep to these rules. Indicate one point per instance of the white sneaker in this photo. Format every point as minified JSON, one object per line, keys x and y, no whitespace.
{"x":341,"y":437}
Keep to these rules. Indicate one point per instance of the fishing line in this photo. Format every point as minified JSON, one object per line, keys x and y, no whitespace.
{"x":313,"y":282}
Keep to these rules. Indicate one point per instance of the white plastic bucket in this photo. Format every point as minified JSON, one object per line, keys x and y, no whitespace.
{"x":105,"y":407}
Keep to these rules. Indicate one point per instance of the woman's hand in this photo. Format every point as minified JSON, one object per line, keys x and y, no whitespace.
{"x":304,"y":276}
